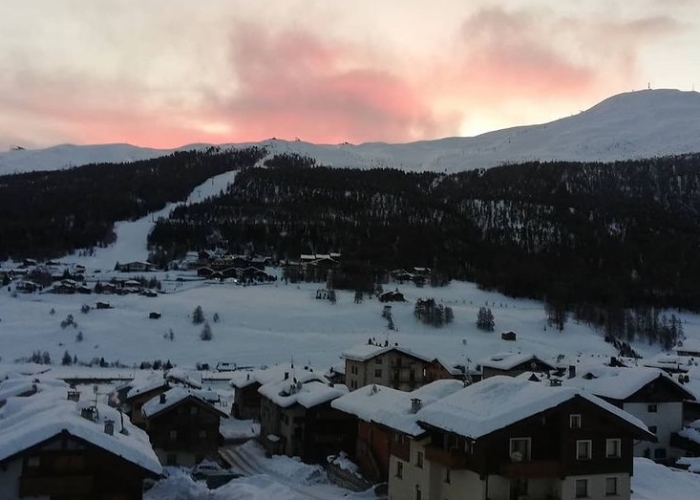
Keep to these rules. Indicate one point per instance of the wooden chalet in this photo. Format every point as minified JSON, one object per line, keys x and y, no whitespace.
{"x":649,"y":394}
{"x":506,"y":438}
{"x":56,"y":449}
{"x":183,"y":427}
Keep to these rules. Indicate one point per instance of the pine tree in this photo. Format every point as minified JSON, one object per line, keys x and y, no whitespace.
{"x":198,"y":315}
{"x":485,"y":320}
{"x":67,"y":360}
{"x":206,"y":333}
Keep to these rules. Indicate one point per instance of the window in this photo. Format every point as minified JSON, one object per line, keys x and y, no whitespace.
{"x":581,"y":488}
{"x":202,"y":434}
{"x":378,"y":360}
{"x":378,"y":373}
{"x":519,"y":487}
{"x":419,"y":493}
{"x":659,"y":453}
{"x":353,"y":384}
{"x":33,"y":462}
{"x":173,"y":435}
{"x":448,"y":479}
{"x":520,"y":449}
{"x":583,"y":450}
{"x":193,"y":410}
{"x":610,"y":486}
{"x":612,"y":448}
{"x":652,"y":408}
{"x":652,"y":429}
{"x":69,"y":463}
{"x":419,"y":460}
{"x":399,"y":469}
{"x":575,"y":421}
{"x":171,"y":459}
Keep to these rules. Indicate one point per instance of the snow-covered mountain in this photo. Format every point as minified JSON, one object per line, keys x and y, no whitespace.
{"x":632,"y":125}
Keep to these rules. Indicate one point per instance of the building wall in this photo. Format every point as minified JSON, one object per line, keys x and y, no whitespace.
{"x":9,"y":480}
{"x":391,"y":369}
{"x":405,"y":488}
{"x":667,"y":419}
{"x":596,"y":487}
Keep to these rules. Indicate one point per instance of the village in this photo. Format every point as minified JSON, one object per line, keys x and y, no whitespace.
{"x":514,"y":426}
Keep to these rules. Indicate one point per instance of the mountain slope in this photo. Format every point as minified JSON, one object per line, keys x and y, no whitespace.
{"x":626,"y":126}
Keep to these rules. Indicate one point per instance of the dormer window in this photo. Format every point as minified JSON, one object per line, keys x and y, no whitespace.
{"x":575,"y":421}
{"x":652,"y":408}
{"x":520,"y":449}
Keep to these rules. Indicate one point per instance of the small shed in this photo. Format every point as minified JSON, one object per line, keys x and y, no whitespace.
{"x":508,"y":336}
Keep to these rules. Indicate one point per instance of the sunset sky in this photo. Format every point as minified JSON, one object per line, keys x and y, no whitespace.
{"x":164,"y":73}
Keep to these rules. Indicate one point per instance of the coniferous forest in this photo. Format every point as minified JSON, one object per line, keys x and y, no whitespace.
{"x":48,"y":214}
{"x":574,"y":234}
{"x":584,"y":237}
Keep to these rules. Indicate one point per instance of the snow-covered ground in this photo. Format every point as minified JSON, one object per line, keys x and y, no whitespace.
{"x":632,"y":125}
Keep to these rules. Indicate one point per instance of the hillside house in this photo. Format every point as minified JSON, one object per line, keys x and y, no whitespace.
{"x":513,"y":364}
{"x":183,"y":427}
{"x":54,"y":448}
{"x":649,"y":394}
{"x":506,"y":438}
{"x":135,"y":267}
{"x":688,"y":348}
{"x":390,"y":366}
{"x":297,"y":418}
{"x":386,"y":419}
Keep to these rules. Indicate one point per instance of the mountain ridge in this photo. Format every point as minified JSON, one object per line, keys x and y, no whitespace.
{"x":630,"y":125}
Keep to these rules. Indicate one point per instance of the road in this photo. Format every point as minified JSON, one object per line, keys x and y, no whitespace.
{"x":249,"y":465}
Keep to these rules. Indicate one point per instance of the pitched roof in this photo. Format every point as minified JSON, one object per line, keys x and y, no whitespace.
{"x":621,"y":383}
{"x":500,"y":401}
{"x":174,"y":397}
{"x":509,"y":360}
{"x":152,"y":383}
{"x":365,"y":352}
{"x":26,"y":422}
{"x":391,"y":407}
{"x":307,"y":389}
{"x":244,"y":378}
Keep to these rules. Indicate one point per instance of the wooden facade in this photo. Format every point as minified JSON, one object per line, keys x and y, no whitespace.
{"x":186,"y":432}
{"x":541,"y":456}
{"x":68,"y":467}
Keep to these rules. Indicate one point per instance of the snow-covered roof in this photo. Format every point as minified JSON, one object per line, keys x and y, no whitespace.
{"x":244,"y":378}
{"x":149,"y":384}
{"x":173,"y":397}
{"x":25,"y":422}
{"x":500,"y":401}
{"x":619,"y":383}
{"x":391,"y":407}
{"x":189,"y":378}
{"x":688,"y":345}
{"x":18,"y":385}
{"x":509,"y":360}
{"x":365,"y":352}
{"x":306,"y":388}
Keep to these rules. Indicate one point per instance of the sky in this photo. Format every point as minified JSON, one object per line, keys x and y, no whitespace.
{"x":164,"y":73}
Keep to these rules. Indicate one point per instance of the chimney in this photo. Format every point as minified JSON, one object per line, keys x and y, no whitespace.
{"x":286,"y":375}
{"x":162,"y":399}
{"x":73,"y":395}
{"x":416,"y":405}
{"x":109,"y":427}
{"x":572,"y":371}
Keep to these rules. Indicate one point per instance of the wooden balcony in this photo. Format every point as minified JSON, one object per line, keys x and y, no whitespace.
{"x":452,"y":459}
{"x":401,"y":450}
{"x":531,"y":469}
{"x":55,"y":486}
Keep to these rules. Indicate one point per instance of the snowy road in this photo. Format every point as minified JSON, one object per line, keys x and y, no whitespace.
{"x":305,"y":480}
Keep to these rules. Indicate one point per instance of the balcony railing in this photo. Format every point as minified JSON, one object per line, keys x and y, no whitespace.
{"x":531,"y":469}
{"x":449,"y":458}
{"x":55,"y":486}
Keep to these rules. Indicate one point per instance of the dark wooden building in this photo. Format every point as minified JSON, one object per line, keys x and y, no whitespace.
{"x":183,"y":427}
